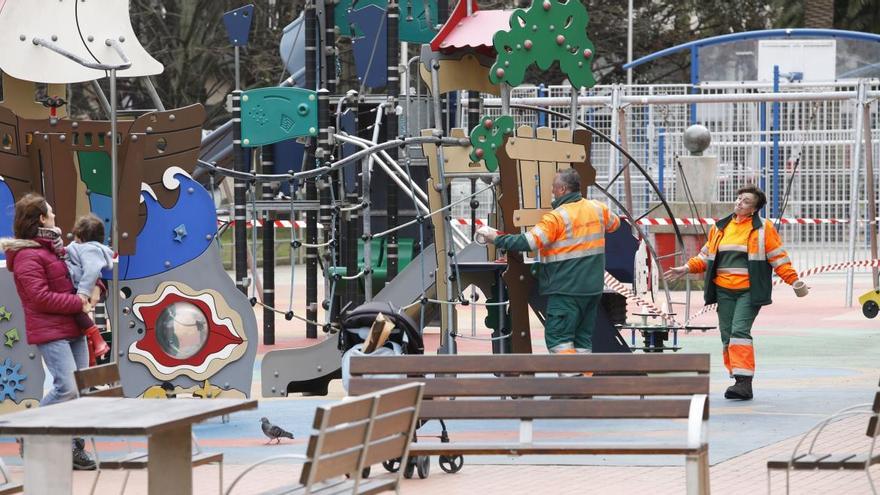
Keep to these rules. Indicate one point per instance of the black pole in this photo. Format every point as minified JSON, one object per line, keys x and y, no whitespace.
{"x":268,"y":167}
{"x":240,"y":164}
{"x":473,"y":112}
{"x":353,"y":230}
{"x":393,"y":88}
{"x":311,"y":76}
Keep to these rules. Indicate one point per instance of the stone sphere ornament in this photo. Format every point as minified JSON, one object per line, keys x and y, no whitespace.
{"x":696,"y":139}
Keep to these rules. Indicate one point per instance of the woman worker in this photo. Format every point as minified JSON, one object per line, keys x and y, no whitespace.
{"x":742,"y":252}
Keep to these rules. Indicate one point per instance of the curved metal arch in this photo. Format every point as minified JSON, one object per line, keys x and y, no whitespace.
{"x":762,"y":34}
{"x":678,"y":237}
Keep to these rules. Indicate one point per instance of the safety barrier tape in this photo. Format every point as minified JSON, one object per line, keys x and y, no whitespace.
{"x":300,"y":224}
{"x":804,"y":274}
{"x":286,"y":224}
{"x":617,"y":286}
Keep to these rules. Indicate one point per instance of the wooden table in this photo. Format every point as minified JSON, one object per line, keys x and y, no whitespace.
{"x":48,"y":432}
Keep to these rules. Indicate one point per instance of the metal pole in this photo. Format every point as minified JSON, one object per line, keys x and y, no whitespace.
{"x":392,"y":130}
{"x":869,"y":191}
{"x":239,"y":197}
{"x":629,"y":42}
{"x":574,"y":107}
{"x":854,"y":189}
{"x":237,"y":69}
{"x":311,"y":76}
{"x":151,"y":90}
{"x":267,"y":165}
{"x":775,"y":137}
{"x":114,"y":217}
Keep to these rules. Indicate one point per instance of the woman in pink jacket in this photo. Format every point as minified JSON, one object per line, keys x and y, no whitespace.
{"x":49,"y":301}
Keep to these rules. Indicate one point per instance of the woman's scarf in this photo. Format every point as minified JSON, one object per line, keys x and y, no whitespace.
{"x":54,"y":235}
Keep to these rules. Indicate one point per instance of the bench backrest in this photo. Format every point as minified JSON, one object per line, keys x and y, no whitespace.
{"x":358,"y":433}
{"x":105,"y":374}
{"x":469,"y":376}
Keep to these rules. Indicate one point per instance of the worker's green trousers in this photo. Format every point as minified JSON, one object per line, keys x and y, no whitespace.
{"x":570,"y":323}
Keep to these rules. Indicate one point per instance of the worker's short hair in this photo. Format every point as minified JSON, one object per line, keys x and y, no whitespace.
{"x":89,"y":228}
{"x":759,"y":195}
{"x":570,"y":178}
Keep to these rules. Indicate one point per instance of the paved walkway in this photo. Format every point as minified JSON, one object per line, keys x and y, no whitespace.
{"x":814,"y":356}
{"x":743,"y":474}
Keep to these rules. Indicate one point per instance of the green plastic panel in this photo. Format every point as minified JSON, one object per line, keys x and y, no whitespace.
{"x":270,"y":115}
{"x":487,"y":137}
{"x":94,"y":170}
{"x":548,"y":31}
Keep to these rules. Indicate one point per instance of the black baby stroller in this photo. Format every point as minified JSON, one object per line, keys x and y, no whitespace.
{"x":405,"y":338}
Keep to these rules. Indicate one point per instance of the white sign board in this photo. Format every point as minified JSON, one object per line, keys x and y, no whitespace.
{"x":815,"y":59}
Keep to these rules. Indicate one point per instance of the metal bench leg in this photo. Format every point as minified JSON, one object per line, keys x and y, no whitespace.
{"x":769,"y":491}
{"x":870,"y":480}
{"x":787,"y":479}
{"x":692,"y":474}
{"x":220,"y":465}
{"x":125,"y":482}
{"x":704,"y":472}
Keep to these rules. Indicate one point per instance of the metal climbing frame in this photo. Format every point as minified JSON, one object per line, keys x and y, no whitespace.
{"x":816,"y":123}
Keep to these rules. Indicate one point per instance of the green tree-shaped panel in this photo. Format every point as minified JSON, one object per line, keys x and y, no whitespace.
{"x":486,"y":138}
{"x":548,"y":31}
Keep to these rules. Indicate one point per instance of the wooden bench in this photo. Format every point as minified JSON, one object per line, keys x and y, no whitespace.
{"x":528,"y":387}
{"x":813,"y":459}
{"x":350,"y":437}
{"x":104,"y":381}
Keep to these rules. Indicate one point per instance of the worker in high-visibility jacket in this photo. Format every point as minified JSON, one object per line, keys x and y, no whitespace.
{"x":742,"y":252}
{"x":570,"y":241}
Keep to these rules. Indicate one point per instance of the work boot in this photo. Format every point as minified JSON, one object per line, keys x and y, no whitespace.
{"x":97,"y":346}
{"x":81,"y":459}
{"x":741,"y":390}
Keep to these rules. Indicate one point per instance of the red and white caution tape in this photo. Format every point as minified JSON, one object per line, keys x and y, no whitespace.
{"x":617,"y":286}
{"x":782,"y":221}
{"x":281,"y":224}
{"x":834,"y":267}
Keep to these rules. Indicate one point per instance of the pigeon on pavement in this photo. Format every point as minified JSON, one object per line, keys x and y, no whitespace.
{"x":274,"y":432}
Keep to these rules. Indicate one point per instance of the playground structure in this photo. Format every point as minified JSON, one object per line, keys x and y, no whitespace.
{"x":375,"y":192}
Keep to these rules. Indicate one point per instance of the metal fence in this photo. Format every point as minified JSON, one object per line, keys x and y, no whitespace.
{"x":820,"y":131}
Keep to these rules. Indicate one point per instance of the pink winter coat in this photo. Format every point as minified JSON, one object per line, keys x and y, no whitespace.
{"x":45,"y":290}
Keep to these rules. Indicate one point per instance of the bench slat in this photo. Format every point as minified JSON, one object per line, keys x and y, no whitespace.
{"x":347,"y":436}
{"x":545,"y":448}
{"x":518,"y":363}
{"x":554,"y":409}
{"x":542,"y":386}
{"x":367,"y":487}
{"x":337,"y":464}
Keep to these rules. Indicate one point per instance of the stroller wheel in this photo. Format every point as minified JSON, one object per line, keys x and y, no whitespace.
{"x":409,"y":469}
{"x":451,"y":463}
{"x":423,"y":466}
{"x":365,"y":473}
{"x":391,"y":465}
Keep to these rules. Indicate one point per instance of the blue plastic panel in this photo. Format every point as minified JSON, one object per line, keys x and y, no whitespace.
{"x":238,"y":24}
{"x":371,"y":65}
{"x":161,"y":245}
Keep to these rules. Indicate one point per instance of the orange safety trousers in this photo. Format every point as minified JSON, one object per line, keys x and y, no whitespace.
{"x":736,"y":314}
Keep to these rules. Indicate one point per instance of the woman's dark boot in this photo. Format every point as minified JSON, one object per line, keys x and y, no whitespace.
{"x":741,"y":390}
{"x":81,"y":459}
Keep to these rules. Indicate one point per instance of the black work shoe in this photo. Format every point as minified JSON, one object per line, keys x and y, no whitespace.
{"x":82,"y":461}
{"x":741,"y":390}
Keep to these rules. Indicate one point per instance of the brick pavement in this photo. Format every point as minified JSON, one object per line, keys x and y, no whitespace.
{"x":745,"y":474}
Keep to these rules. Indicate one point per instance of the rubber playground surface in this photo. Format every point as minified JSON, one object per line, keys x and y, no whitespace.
{"x":814,"y":356}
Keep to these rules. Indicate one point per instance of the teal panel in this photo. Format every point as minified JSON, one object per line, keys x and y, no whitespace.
{"x":271,"y":115}
{"x":416,"y":25}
